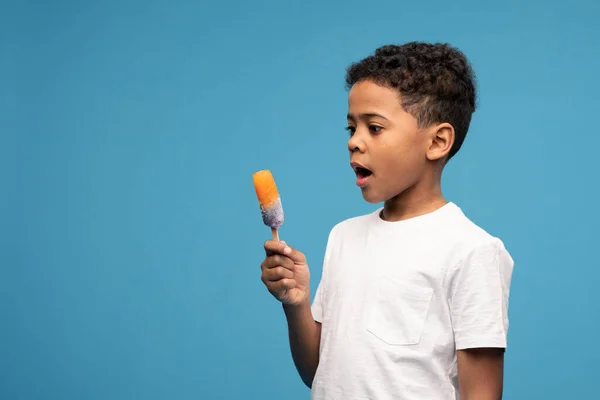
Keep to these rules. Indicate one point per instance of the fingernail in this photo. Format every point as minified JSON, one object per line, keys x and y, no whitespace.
{"x":287,"y":250}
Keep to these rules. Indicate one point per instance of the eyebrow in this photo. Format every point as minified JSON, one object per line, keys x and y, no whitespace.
{"x":366,"y":115}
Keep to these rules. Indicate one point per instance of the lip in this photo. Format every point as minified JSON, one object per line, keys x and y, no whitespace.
{"x":356,"y":165}
{"x":361,"y":180}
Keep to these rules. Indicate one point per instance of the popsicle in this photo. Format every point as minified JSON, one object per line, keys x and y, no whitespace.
{"x":270,"y":202}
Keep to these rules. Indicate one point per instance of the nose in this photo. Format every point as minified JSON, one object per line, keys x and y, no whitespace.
{"x":356,"y":144}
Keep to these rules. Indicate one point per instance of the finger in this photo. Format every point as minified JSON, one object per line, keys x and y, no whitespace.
{"x":277,"y":273}
{"x":278,"y":260}
{"x":275,"y":247}
{"x":281,"y":285}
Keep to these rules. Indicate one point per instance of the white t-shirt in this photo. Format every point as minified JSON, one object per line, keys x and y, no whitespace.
{"x":397,"y":299}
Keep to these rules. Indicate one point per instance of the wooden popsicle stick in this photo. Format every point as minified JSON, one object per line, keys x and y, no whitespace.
{"x":275,"y":234}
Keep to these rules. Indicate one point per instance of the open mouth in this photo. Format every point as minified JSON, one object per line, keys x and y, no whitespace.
{"x":362,"y":172}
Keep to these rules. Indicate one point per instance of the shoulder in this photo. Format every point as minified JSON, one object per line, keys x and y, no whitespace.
{"x":477,"y":249}
{"x":353,"y":225}
{"x":347,"y":231}
{"x":467,"y":237}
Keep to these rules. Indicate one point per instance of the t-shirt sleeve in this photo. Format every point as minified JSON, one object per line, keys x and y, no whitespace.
{"x":479,"y":292}
{"x":318,"y":305}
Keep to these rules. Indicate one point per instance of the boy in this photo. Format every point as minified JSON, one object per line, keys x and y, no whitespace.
{"x":413,"y":299}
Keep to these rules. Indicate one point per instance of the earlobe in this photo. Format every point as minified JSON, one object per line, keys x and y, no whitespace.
{"x":442,"y":139}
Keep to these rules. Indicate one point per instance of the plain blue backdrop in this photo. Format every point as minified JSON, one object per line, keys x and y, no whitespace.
{"x":131,"y":236}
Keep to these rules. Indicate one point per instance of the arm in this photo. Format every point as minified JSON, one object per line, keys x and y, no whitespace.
{"x":480,"y":373}
{"x":305,"y":338}
{"x":286,"y":275}
{"x":479,"y":294}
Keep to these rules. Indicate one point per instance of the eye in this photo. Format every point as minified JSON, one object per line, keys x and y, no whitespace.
{"x":351,"y":129}
{"x":375,"y":128}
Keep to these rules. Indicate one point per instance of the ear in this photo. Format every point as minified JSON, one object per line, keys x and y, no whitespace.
{"x":441,"y":141}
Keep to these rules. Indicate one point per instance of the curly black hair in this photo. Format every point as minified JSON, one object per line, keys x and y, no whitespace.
{"x":435,"y":81}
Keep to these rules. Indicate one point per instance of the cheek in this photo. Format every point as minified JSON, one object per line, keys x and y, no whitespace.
{"x":402,"y":160}
{"x":398,"y":155}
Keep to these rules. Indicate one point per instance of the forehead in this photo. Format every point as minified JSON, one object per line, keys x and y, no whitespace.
{"x":369,"y":95}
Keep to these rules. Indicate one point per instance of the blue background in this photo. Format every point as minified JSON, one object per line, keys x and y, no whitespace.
{"x":131,"y":237}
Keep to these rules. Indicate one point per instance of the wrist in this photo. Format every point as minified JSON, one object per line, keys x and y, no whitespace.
{"x":294,"y":308}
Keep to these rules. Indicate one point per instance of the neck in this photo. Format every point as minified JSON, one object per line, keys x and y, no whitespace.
{"x":422,"y":198}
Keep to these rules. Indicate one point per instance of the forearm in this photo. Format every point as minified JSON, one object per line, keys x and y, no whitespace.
{"x":304,"y":336}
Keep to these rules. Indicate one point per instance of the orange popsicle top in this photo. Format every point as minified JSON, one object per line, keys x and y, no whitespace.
{"x":265,"y":187}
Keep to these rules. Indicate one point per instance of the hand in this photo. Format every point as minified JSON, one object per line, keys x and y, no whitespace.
{"x":285,"y":273}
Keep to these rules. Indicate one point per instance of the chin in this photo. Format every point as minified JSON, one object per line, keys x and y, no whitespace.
{"x":370,"y":196}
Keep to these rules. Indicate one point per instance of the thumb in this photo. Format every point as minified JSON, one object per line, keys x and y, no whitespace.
{"x":296,"y":256}
{"x":281,"y":247}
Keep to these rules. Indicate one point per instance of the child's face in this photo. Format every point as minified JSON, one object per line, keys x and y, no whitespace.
{"x":386,"y":140}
